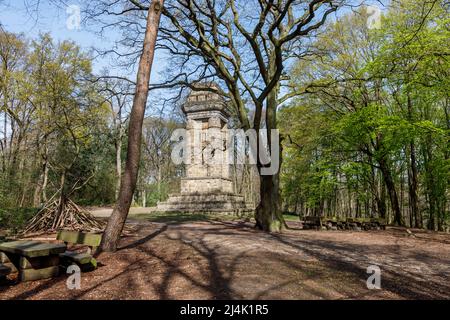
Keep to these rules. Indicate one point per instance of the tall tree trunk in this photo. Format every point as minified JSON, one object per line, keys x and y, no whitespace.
{"x":382,"y":201}
{"x":381,"y":207}
{"x":118,"y":146}
{"x":268,"y":213}
{"x":45,"y":179}
{"x":41,"y":189}
{"x":144,"y":197}
{"x":441,"y":215}
{"x":393,"y":197}
{"x":413,"y":172}
{"x":413,"y":183}
{"x":251,"y":186}
{"x":402,"y":185}
{"x":159,"y":183}
{"x":128,"y":182}
{"x":38,"y":192}
{"x":430,"y":182}
{"x":431,"y":222}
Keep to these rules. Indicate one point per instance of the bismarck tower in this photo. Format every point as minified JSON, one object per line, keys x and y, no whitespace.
{"x":207,"y":186}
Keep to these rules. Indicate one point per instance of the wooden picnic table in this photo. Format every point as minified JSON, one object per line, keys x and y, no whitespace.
{"x":33,"y":260}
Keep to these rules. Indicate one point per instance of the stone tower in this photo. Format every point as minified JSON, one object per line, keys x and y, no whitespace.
{"x":207,"y":186}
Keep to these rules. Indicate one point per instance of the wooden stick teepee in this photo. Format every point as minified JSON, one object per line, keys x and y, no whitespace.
{"x":62,"y":213}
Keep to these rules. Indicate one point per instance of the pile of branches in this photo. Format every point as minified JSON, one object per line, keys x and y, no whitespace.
{"x":62,"y":213}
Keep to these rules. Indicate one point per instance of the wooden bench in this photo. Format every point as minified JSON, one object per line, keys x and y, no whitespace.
{"x":84,"y":260}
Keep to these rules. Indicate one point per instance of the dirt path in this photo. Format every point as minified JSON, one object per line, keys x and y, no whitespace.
{"x":231,"y":260}
{"x":103,"y":212}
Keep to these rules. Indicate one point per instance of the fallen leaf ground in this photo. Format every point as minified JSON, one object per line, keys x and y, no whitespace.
{"x":231,"y":260}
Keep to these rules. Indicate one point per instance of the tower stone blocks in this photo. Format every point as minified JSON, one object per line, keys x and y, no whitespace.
{"x":207,"y":186}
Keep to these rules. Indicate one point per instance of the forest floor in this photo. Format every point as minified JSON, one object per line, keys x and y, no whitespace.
{"x":168,"y":257}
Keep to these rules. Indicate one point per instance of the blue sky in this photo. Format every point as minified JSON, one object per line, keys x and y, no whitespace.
{"x":14,"y":17}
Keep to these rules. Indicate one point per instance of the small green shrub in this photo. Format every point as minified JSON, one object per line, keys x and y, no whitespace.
{"x":15,"y":218}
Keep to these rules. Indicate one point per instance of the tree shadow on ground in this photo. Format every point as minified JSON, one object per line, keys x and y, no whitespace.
{"x":350,"y":259}
{"x":217,"y":283}
{"x":218,"y":259}
{"x":144,"y":239}
{"x":344,"y":259}
{"x":47,"y":284}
